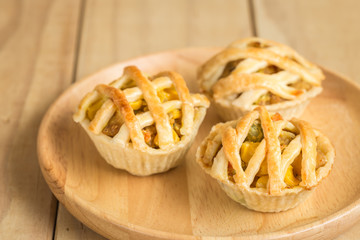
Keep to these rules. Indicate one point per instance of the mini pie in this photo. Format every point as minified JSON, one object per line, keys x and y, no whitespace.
{"x":255,"y":72}
{"x":264,"y":162}
{"x":142,"y":124}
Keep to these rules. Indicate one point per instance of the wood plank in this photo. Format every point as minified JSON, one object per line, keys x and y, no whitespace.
{"x":118,"y":30}
{"x":37,"y":47}
{"x":115,"y":30}
{"x":69,"y":228}
{"x":326,"y":32}
{"x":351,"y":234}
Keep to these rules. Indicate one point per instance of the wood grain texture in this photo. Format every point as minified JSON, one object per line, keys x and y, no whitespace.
{"x":37,"y":45}
{"x":185,"y":202}
{"x":115,"y":30}
{"x":67,"y":228}
{"x":326,"y":32}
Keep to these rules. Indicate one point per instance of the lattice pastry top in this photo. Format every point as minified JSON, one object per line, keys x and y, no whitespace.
{"x":148,"y":112}
{"x":255,"y":71}
{"x":267,"y":154}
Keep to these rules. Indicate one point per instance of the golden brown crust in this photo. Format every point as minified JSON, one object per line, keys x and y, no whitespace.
{"x":120,"y":100}
{"x":184,"y":95}
{"x":155,"y":107}
{"x":273,"y":156}
{"x":231,"y":151}
{"x":241,"y":85}
{"x":262,"y":55}
{"x":240,"y":82}
{"x":281,"y":49}
{"x":233,"y":135}
{"x":309,"y":144}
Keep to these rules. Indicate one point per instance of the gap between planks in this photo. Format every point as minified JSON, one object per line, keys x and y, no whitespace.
{"x":78,"y":39}
{"x":252,"y":17}
{"x":73,"y":79}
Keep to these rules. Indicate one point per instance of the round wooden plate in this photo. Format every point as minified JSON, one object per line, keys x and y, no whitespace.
{"x":185,"y":202}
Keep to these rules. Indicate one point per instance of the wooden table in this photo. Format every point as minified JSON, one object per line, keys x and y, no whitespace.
{"x":45,"y":45}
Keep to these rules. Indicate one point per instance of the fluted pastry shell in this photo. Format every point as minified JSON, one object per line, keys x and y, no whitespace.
{"x":257,"y":199}
{"x":134,"y":102}
{"x":247,"y":79}
{"x":260,"y":199}
{"x":143,"y":163}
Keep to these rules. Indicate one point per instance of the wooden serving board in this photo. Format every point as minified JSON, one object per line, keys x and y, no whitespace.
{"x":185,"y":202}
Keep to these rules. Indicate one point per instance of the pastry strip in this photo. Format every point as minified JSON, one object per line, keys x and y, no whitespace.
{"x":161,"y":119}
{"x":309,"y":144}
{"x":119,"y":99}
{"x":184,"y":95}
{"x":273,"y":154}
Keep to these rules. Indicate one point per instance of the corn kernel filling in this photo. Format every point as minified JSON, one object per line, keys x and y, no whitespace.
{"x":140,"y":106}
{"x":248,"y":148}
